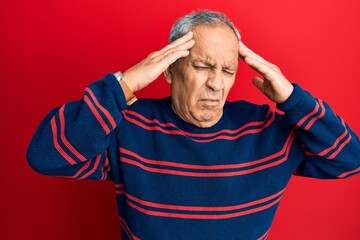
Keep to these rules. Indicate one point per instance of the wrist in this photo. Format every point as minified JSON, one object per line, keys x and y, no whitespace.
{"x":128,"y":92}
{"x":130,"y":82}
{"x":292,"y":100}
{"x":287,"y":93}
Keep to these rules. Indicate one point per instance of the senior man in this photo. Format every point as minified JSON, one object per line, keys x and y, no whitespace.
{"x":194,"y":166}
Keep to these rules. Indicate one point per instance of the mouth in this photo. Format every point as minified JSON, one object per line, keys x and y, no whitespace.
{"x":210,"y":102}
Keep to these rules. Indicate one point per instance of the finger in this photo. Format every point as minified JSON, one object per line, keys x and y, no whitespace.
{"x":244,"y":52}
{"x":260,"y":67}
{"x":179,"y":41}
{"x":185,"y":46}
{"x":171,"y":57}
{"x":259,"y":83}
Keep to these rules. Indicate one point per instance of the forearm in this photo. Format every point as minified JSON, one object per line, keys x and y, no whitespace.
{"x":331,"y":148}
{"x":75,"y":137}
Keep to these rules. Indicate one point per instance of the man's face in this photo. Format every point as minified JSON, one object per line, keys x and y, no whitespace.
{"x":201,"y":82}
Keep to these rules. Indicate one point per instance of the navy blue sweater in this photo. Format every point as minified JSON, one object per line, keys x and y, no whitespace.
{"x":174,"y":180}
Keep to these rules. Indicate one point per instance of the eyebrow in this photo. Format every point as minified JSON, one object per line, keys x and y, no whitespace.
{"x":205,"y":60}
{"x":208,"y":62}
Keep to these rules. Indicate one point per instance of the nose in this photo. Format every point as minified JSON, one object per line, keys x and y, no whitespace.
{"x":215,"y":81}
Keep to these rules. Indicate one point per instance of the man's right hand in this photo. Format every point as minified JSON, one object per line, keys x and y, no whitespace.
{"x":149,"y":69}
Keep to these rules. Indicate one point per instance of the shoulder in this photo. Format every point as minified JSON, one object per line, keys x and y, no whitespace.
{"x":150,"y":108}
{"x":145,"y":103}
{"x":239,"y":113}
{"x":243,"y":113}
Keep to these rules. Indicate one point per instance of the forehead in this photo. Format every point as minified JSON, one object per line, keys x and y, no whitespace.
{"x":215,"y":43}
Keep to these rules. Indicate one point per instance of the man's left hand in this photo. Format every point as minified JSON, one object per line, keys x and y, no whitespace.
{"x":274,"y":85}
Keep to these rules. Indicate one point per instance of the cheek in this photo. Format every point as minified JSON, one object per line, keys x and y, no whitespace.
{"x":195,"y":85}
{"x":193,"y":94}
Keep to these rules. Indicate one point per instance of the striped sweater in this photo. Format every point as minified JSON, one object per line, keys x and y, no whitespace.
{"x":174,"y":180}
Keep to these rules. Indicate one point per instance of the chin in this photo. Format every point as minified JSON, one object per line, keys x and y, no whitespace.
{"x":208,"y":116}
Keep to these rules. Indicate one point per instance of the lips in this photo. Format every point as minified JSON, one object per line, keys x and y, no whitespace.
{"x":210,"y":102}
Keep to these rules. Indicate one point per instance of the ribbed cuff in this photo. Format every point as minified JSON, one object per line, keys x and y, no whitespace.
{"x":292,"y":100}
{"x":113,"y":84}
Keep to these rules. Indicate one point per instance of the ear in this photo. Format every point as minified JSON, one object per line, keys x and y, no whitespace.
{"x":168,"y":74}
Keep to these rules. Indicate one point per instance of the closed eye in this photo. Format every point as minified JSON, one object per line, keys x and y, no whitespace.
{"x":228,"y":72}
{"x":201,"y":67}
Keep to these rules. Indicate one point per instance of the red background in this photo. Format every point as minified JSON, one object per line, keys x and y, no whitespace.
{"x":50,"y":50}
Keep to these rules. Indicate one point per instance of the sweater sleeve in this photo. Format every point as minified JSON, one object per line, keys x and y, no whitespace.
{"x":77,"y":140}
{"x":331,"y":149}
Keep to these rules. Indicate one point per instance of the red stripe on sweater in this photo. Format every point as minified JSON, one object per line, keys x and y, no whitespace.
{"x":228,"y":131}
{"x":299,"y":123}
{"x":309,"y":153}
{"x":346,"y":174}
{"x":128,"y":232}
{"x":119,"y":185}
{"x":119,"y":188}
{"x":202,"y":216}
{"x":334,"y":154}
{"x":322,"y":113}
{"x":184,"y":133}
{"x":96,"y":164}
{"x":203,"y":209}
{"x":249,"y":131}
{"x":265,"y":236}
{"x":197,"y":174}
{"x":206,"y":167}
{"x":86,"y":165}
{"x":63,"y":138}
{"x":285,"y":150}
{"x":105,"y":168}
{"x":153,"y":128}
{"x":201,"y":174}
{"x":56,"y":143}
{"x":335,"y":145}
{"x":97,"y":115}
{"x":151,"y":121}
{"x":107,"y":114}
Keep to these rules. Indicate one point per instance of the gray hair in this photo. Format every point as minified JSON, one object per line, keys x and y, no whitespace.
{"x":204,"y":17}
